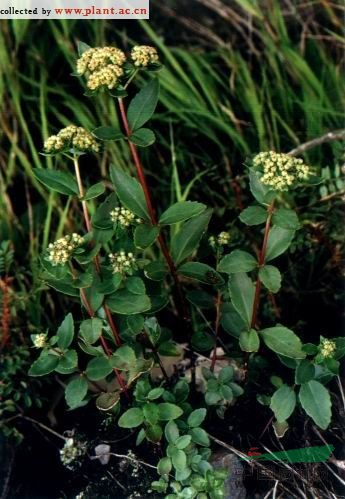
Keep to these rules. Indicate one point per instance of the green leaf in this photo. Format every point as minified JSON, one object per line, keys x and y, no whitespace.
{"x":212,"y":398}
{"x":185,"y":242}
{"x":285,"y":219}
{"x":270,"y":278}
{"x":171,"y":432}
{"x":91,"y":330}
{"x":82,"y":47}
{"x":155,"y":393}
{"x":278,"y":242}
{"x":316,"y":402}
{"x":135,"y":285}
{"x":169,"y":411}
{"x":132,"y":418}
{"x":200,"y":437}
{"x":179,"y":459}
{"x":226,"y":374}
{"x":135,"y":323}
{"x":183,"y":442}
{"x":98,"y":368}
{"x":169,"y":349}
{"x":179,"y":212}
{"x":196,"y":417}
{"x":253,"y":215}
{"x":305,"y":371}
{"x":143,"y":137}
{"x":126,"y":303}
{"x":249,"y":341}
{"x":101,"y":218}
{"x":108,"y":133}
{"x":202,"y":341}
{"x":124,"y":358}
{"x":151,"y":414}
{"x":237,"y":261}
{"x":129,"y":192}
{"x":145,"y":235}
{"x":156,"y":271}
{"x":231,"y":320}
{"x":68,"y":362}
{"x":283,"y":403}
{"x":142,"y":106}
{"x":94,"y":191}
{"x":242,"y":293}
{"x":106,"y":401}
{"x":283,"y":341}
{"x":262,"y":193}
{"x":201,"y":272}
{"x":65,"y":333}
{"x":45,"y":364}
{"x":164,"y":466}
{"x":61,"y":182}
{"x":75,"y":392}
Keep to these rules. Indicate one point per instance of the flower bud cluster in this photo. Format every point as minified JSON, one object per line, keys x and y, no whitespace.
{"x":71,"y":136}
{"x":222,"y":239}
{"x":102,"y":67}
{"x":281,"y":171}
{"x":123,"y":217}
{"x":61,"y":251}
{"x":327,"y":349}
{"x":143,"y":55}
{"x":123,"y":263}
{"x":40,"y":340}
{"x":70,"y":451}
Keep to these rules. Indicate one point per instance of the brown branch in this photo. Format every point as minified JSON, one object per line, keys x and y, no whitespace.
{"x":328,"y":137}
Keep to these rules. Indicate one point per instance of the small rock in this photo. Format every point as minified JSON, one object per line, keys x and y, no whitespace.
{"x":234,"y":488}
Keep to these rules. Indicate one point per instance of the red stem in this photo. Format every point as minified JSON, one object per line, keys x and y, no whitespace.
{"x":161,"y":240}
{"x":261,"y":263}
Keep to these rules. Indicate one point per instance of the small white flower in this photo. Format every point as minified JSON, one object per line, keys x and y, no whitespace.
{"x":143,"y":55}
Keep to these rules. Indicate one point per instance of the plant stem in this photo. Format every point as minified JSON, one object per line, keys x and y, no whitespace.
{"x":216,"y":329}
{"x":96,"y":259}
{"x":262,"y":257}
{"x":161,"y":240}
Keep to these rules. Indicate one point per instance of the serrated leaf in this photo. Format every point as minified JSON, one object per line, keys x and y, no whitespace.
{"x":283,"y":341}
{"x":283,"y":403}
{"x":61,"y":182}
{"x":75,"y":391}
{"x":237,"y":261}
{"x":98,"y":368}
{"x":143,"y":137}
{"x":253,"y":215}
{"x":45,"y":364}
{"x":196,"y":417}
{"x":145,"y":235}
{"x":108,"y":133}
{"x":201,"y":272}
{"x":179,"y":212}
{"x":270,"y":278}
{"x":129,"y":192}
{"x":316,"y":402}
{"x":91,"y":329}
{"x":278,"y":242}
{"x":286,"y":219}
{"x":168,"y":411}
{"x":242,"y":293}
{"x":185,"y":242}
{"x":142,"y":106}
{"x":65,"y":332}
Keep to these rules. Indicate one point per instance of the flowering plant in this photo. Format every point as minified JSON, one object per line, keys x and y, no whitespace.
{"x":124,"y":271}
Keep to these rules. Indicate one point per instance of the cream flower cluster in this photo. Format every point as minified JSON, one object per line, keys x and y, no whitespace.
{"x":61,"y":251}
{"x":40,"y":340}
{"x":143,"y":55}
{"x":70,"y":451}
{"x":71,"y":136}
{"x":327,"y":348}
{"x":222,"y":239}
{"x":102,"y":67}
{"x":122,"y":263}
{"x":123,"y":217}
{"x":281,"y":171}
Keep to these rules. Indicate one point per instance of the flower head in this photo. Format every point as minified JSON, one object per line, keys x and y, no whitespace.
{"x":61,"y":250}
{"x":223,"y":238}
{"x":71,"y":136}
{"x":327,"y":348}
{"x":143,"y":56}
{"x":123,"y":263}
{"x":40,"y":340}
{"x":281,"y":171}
{"x":102,"y":67}
{"x":123,"y":217}
{"x":70,"y":451}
